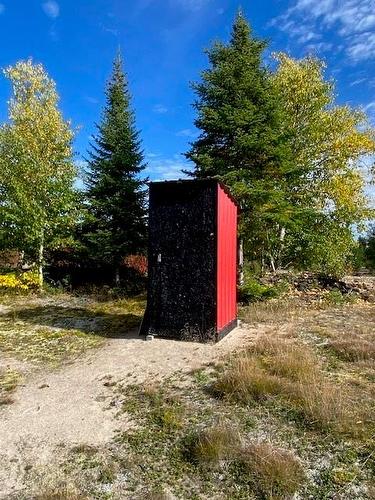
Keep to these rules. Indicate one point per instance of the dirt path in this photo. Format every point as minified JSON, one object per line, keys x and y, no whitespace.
{"x":67,"y":407}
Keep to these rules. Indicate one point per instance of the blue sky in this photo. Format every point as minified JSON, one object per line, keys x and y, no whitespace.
{"x":162,"y":42}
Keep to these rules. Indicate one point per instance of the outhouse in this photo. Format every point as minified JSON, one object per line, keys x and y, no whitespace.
{"x":192,"y":261}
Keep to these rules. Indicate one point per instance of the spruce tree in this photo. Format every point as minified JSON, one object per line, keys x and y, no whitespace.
{"x":241,"y":141}
{"x":115,"y":190}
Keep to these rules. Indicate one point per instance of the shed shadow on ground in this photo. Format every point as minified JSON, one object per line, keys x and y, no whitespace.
{"x":103,"y":324}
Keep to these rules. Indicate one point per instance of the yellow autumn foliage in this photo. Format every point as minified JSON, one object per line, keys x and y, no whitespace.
{"x":27,"y":281}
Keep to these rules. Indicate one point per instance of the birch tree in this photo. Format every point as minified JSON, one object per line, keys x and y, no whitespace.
{"x":36,"y":162}
{"x":329,"y":143}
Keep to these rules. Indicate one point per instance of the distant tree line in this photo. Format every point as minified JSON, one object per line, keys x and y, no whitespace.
{"x":290,"y":154}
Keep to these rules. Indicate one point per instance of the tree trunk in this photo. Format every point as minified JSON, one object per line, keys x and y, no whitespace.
{"x":282,"y":238}
{"x":272,"y":262}
{"x":117,"y":276}
{"x":240,"y":262}
{"x":40,"y":260}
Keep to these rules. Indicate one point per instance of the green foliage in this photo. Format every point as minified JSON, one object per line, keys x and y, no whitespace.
{"x":367,"y":248}
{"x":336,"y":298}
{"x":288,"y":152}
{"x":36,"y":166}
{"x":241,"y":139}
{"x":253,"y":291}
{"x":328,"y":143}
{"x":323,"y":246}
{"x":115,"y":225}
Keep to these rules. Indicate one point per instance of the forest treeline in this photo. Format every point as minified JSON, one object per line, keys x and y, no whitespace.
{"x":296,"y":161}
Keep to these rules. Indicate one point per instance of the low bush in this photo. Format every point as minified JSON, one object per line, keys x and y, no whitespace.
{"x":253,"y":291}
{"x":213,"y":445}
{"x":274,"y":473}
{"x":245,"y":380}
{"x":336,"y":298}
{"x":19,"y":282}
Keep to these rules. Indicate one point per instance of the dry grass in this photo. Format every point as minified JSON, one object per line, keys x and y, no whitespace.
{"x":292,"y":373}
{"x":245,"y":380}
{"x":52,"y":487}
{"x":287,"y":359}
{"x":275,"y":473}
{"x":272,"y":311}
{"x":323,"y":404}
{"x":353,"y":349}
{"x":214,"y":445}
{"x":9,"y":380}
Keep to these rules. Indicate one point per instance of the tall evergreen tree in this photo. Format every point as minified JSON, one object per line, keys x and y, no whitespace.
{"x":115,"y":190}
{"x":241,"y":141}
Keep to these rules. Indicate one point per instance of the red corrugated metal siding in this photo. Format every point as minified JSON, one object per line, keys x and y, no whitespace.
{"x":226,"y":260}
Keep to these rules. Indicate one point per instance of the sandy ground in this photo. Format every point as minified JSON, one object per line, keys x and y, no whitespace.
{"x":66,"y":407}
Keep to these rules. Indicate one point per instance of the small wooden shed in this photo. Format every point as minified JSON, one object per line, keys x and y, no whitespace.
{"x":192,"y":261}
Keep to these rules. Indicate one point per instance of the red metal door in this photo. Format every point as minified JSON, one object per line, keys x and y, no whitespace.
{"x":226,"y":260}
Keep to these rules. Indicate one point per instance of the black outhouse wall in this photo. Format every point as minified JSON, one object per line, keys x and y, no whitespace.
{"x":182,"y":261}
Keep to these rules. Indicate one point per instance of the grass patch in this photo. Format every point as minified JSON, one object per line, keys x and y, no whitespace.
{"x":60,"y":493}
{"x":290,"y":375}
{"x":273,"y":472}
{"x":246,"y":380}
{"x":63,"y":328}
{"x":9,"y":380}
{"x":188,"y":458}
{"x":272,"y":311}
{"x":45,"y":345}
{"x":213,"y":445}
{"x":353,"y":349}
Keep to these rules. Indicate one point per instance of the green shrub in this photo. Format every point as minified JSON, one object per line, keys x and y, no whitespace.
{"x":336,"y":298}
{"x":254,"y":291}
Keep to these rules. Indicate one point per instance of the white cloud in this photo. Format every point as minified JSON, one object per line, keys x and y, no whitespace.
{"x":51,"y":9}
{"x":353,"y":20}
{"x":81,"y":164}
{"x":370,"y":106}
{"x":111,"y":31}
{"x":358,"y":81}
{"x":186,"y":132}
{"x":166,"y":169}
{"x":160,"y":108}
{"x":54,"y":35}
{"x":91,"y":100}
{"x":370,"y":111}
{"x":362,"y":47}
{"x":2,"y":8}
{"x":319,"y":47}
